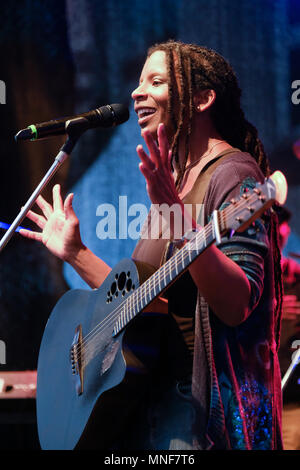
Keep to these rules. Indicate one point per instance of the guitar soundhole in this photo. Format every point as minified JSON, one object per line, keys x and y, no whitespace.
{"x":122,"y":285}
{"x":121,"y":281}
{"x":113,"y":288}
{"x":128,"y":285}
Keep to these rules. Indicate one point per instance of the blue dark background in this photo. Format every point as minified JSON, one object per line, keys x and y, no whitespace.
{"x":62,"y":57}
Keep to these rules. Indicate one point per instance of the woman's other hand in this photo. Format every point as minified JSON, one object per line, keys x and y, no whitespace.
{"x":59,"y":226}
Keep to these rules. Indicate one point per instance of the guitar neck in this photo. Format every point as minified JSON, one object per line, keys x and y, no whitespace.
{"x":235,"y":217}
{"x":156,"y":284}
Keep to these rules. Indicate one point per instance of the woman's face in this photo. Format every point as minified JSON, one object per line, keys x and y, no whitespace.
{"x":151,"y":96}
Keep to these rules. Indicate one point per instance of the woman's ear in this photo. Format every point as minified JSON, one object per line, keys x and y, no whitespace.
{"x":204,"y":99}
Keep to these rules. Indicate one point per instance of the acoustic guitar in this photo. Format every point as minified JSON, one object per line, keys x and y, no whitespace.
{"x":81,"y":354}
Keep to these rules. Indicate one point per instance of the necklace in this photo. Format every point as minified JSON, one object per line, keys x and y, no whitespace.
{"x":206,"y":154}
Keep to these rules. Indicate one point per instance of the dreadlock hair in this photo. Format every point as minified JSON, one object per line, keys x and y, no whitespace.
{"x":192,"y":68}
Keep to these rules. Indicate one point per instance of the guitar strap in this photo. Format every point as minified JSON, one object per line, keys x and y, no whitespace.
{"x":196,"y":195}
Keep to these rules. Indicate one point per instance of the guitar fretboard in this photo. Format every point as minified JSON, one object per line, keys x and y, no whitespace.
{"x":164,"y":276}
{"x":236,"y":216}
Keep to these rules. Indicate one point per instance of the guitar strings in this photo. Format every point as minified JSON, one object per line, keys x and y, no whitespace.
{"x":157,"y":277}
{"x":87,"y":345}
{"x":100,"y":327}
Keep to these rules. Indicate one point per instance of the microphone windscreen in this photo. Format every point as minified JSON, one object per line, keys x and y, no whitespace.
{"x":121,"y":112}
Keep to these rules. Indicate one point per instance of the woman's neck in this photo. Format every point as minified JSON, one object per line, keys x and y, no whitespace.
{"x":201,"y":145}
{"x":205,"y":143}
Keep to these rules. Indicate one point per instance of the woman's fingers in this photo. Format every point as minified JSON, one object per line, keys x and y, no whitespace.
{"x":156,"y":168}
{"x":153,"y":149}
{"x":36,"y":218}
{"x":68,"y":207}
{"x":45,"y":206}
{"x":145,"y":171}
{"x":32,"y":235}
{"x":163,"y":144}
{"x":159,"y":154}
{"x":57,"y":200}
{"x":146,"y":161}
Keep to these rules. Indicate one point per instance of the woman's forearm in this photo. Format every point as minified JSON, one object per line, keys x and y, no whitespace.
{"x":223,"y":284}
{"x":92,"y":269}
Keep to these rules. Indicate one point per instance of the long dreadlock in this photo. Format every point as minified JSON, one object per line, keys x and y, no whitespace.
{"x":192,"y":68}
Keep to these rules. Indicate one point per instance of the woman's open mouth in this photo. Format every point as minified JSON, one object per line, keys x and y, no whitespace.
{"x":144,"y":114}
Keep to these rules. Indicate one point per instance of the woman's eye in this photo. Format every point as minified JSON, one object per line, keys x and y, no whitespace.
{"x":156,"y":82}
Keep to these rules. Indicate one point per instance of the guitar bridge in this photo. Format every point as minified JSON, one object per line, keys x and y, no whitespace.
{"x":76,"y":355}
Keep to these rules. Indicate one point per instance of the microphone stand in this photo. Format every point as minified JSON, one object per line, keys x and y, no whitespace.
{"x":74,"y":129}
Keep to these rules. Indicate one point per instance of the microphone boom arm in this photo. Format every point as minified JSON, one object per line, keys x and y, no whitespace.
{"x":62,"y":155}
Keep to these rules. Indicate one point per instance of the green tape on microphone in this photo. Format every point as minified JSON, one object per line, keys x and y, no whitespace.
{"x":34,"y":131}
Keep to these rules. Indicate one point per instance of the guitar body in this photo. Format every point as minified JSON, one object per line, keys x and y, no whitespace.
{"x":63,"y":408}
{"x":83,"y":356}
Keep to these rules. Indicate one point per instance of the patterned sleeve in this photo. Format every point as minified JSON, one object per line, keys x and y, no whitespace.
{"x":249,"y":248}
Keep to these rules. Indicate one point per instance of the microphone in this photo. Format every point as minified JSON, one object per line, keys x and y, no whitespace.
{"x":105,"y":116}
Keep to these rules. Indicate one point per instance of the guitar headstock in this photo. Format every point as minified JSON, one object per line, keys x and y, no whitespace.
{"x":254,"y":202}
{"x":281,"y":186}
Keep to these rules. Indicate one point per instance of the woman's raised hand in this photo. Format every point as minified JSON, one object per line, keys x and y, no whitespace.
{"x":59,"y":224}
{"x":156,"y":168}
